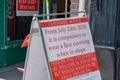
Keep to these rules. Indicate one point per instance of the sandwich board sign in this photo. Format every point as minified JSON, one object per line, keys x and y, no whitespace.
{"x":66,"y":49}
{"x":27,"y":7}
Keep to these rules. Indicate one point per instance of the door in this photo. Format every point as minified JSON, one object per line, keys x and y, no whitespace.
{"x":103,"y":24}
{"x":103,"y":21}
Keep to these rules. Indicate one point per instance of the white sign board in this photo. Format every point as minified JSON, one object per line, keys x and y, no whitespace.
{"x":70,"y":49}
{"x":27,"y":7}
{"x":35,"y":65}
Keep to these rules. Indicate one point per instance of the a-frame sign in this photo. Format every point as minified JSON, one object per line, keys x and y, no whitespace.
{"x":61,"y":49}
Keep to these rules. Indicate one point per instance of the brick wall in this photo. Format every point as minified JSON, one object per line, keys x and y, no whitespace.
{"x":74,"y":7}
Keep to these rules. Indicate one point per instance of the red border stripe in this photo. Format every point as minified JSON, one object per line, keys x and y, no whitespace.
{"x":62,"y":22}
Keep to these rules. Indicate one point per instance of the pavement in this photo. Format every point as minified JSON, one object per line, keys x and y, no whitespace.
{"x":11,"y":72}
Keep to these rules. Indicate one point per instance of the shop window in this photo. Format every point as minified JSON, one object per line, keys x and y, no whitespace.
{"x":58,"y":6}
{"x":18,"y":26}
